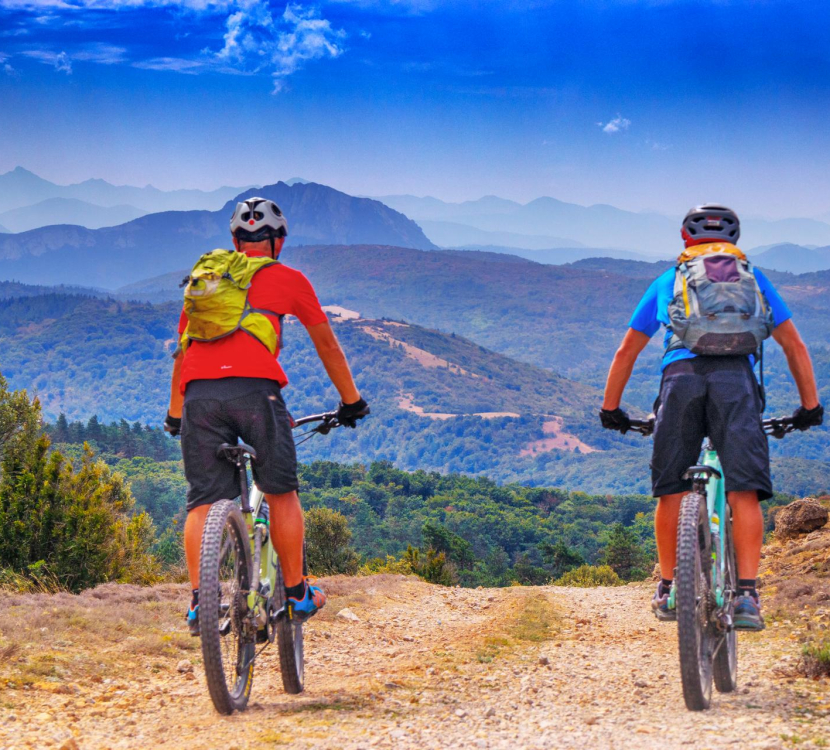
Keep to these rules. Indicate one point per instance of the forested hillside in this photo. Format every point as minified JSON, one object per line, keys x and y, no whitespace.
{"x":428,"y":389}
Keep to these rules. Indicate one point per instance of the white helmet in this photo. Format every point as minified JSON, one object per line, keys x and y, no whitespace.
{"x":258,"y":219}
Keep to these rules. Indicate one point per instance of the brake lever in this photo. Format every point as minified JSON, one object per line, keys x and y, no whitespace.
{"x":327,"y":426}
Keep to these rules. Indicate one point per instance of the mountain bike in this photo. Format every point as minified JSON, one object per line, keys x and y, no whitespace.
{"x":241,"y":588}
{"x":706,"y":576}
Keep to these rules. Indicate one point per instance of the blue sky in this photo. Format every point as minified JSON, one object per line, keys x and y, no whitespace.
{"x":645,"y":104}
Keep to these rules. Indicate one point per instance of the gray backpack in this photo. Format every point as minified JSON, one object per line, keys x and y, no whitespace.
{"x":718,"y":308}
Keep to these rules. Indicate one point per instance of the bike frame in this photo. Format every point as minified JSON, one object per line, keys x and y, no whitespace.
{"x":255,"y":511}
{"x":716,"y":510}
{"x":265,"y":565}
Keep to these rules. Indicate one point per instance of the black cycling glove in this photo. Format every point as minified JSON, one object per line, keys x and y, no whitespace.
{"x":615,"y":419}
{"x":804,"y":419}
{"x":173,"y":425}
{"x":348,"y":414}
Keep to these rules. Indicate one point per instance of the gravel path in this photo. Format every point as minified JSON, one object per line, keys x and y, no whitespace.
{"x":424,"y":667}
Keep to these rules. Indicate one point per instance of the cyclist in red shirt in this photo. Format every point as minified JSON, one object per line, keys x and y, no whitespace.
{"x":231,"y":389}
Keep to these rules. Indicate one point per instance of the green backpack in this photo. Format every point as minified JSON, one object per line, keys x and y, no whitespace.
{"x":216,"y":299}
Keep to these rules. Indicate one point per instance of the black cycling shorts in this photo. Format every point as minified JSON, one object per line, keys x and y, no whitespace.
{"x":225,"y":411}
{"x":716,"y":397}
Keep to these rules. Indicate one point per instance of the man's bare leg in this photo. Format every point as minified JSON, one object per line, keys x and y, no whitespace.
{"x":287,"y":533}
{"x":666,"y":519}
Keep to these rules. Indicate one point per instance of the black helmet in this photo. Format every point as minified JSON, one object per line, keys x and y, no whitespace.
{"x":711,"y":222}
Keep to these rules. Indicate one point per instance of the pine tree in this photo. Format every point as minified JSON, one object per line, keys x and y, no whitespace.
{"x":624,"y":554}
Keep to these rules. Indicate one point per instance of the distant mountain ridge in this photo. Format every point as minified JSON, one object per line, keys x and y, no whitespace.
{"x":20,"y":188}
{"x":793,"y":258}
{"x":598,"y":225}
{"x":68,"y":211}
{"x":114,"y":256}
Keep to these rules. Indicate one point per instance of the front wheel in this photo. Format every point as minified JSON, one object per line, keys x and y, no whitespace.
{"x":694,"y":602}
{"x":224,"y":581}
{"x":726,"y":655}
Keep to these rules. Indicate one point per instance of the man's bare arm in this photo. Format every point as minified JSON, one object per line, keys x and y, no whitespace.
{"x":798,"y":359}
{"x":334,"y":360}
{"x":176,"y":397}
{"x":621,"y":368}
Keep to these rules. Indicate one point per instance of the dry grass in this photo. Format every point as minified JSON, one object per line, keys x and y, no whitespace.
{"x":60,"y":638}
{"x":815,"y":659}
{"x":531,"y":618}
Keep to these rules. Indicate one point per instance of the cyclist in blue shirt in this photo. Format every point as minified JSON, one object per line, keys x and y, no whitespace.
{"x":714,"y":396}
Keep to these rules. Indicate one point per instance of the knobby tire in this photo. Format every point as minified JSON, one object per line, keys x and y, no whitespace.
{"x":725,"y":665}
{"x":290,"y":646}
{"x":223,"y":517}
{"x":693,"y":580}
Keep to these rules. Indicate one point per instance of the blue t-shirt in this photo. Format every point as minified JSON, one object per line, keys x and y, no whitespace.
{"x":653,"y":310}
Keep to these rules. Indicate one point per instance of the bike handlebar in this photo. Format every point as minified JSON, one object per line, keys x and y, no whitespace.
{"x":777,"y":427}
{"x":328,"y":419}
{"x":644,"y":426}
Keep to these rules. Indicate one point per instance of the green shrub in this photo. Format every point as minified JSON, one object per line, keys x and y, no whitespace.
{"x":589,"y":576}
{"x":389,"y":565}
{"x":328,"y":535}
{"x":64,"y":526}
{"x":433,"y":566}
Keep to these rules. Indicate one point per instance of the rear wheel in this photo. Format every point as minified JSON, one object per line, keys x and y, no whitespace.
{"x":725,"y":666}
{"x":224,"y":582}
{"x":290,"y":644}
{"x":694,"y":602}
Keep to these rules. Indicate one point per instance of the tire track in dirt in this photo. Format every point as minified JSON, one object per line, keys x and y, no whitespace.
{"x":425,"y":667}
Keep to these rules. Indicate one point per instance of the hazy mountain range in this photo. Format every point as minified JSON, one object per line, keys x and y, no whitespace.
{"x":793,"y":258}
{"x":20,"y":188}
{"x":550,"y":223}
{"x":67,"y":211}
{"x":114,"y":256}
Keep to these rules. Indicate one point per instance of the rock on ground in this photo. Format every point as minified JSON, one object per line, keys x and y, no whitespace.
{"x":543,"y":668}
{"x":800,"y":517}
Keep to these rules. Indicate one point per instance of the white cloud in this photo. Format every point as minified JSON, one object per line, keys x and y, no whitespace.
{"x":176,"y":64}
{"x":256,"y":41}
{"x":196,"y":5}
{"x":616,"y":125}
{"x":104,"y":54}
{"x":60,"y":60}
{"x":5,"y":65}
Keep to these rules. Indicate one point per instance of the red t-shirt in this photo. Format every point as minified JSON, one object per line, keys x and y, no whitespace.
{"x":278,"y":288}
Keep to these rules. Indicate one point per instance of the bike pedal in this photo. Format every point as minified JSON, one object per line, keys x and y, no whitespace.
{"x":283,"y":613}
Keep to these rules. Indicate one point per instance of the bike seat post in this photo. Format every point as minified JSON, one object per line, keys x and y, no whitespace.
{"x":243,"y":484}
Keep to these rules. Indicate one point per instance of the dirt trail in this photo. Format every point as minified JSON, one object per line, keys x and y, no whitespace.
{"x":425,"y":667}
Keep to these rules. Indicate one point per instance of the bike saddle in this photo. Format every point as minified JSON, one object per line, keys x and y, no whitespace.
{"x":235,"y":453}
{"x":708,"y":471}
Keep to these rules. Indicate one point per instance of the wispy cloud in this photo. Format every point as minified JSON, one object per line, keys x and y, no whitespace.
{"x":616,"y":125}
{"x":59,"y":60}
{"x":257,"y":38}
{"x":104,"y":54}
{"x":6,"y":66}
{"x":175,"y":64}
{"x":197,"y":5}
{"x":256,"y":41}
